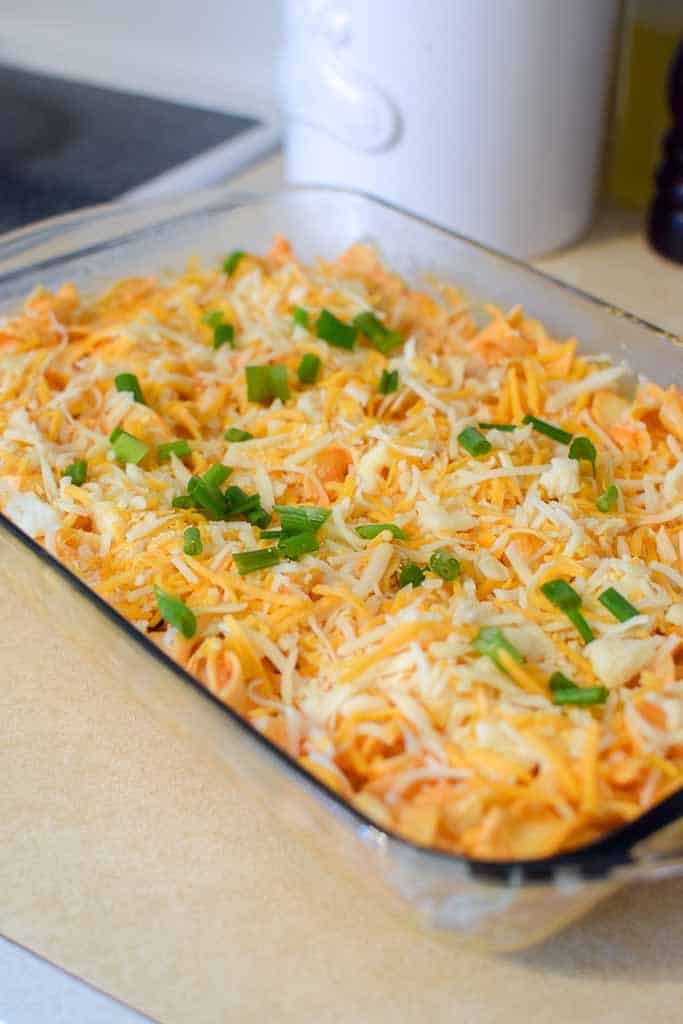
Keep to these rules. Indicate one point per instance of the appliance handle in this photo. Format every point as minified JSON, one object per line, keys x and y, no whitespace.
{"x":318,"y":85}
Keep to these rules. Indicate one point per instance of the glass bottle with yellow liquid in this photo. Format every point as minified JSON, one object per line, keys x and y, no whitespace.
{"x":652,"y":29}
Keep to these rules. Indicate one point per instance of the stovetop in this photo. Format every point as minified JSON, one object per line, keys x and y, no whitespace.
{"x":66,"y":144}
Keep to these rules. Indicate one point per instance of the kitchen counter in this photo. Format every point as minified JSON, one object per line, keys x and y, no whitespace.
{"x":134,"y":859}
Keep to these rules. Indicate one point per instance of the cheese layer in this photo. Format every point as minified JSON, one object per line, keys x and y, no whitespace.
{"x":377,"y":689}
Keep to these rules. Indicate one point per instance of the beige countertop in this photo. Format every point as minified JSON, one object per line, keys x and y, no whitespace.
{"x":136,"y":860}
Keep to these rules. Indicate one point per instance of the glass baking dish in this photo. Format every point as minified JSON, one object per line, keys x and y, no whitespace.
{"x":501,"y":906}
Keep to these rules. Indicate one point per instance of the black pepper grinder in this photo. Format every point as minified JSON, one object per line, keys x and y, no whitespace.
{"x":665,"y":219}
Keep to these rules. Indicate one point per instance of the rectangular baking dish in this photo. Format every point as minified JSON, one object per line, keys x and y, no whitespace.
{"x":499,"y":905}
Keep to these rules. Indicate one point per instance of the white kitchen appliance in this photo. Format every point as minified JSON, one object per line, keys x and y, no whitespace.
{"x":484,"y":115}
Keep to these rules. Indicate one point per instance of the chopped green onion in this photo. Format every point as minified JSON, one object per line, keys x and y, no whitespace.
{"x":223,"y":334}
{"x":300,"y":316}
{"x":474,"y":442}
{"x":129,"y":382}
{"x":259,"y":517}
{"x":388,"y":382}
{"x":206,"y":496}
{"x":270,"y":534}
{"x":608,"y":499}
{"x":445,"y":565}
{"x":213,"y":318}
{"x":583,"y":449}
{"x":252,"y":561}
{"x":497,"y":426}
{"x":176,"y":613}
{"x":78,"y":471}
{"x":302,"y":518}
{"x":372,"y":530}
{"x":180,"y":448}
{"x":556,"y":433}
{"x":217,"y":474}
{"x":620,"y":608}
{"x":564,"y":691}
{"x":582,"y":696}
{"x":564,"y":597}
{"x":309,"y":368}
{"x":128,"y":448}
{"x":192,"y":541}
{"x":266,"y":382}
{"x":334,"y":331}
{"x":294,"y":545}
{"x":182,"y":501}
{"x":490,"y":640}
{"x":236,"y":435}
{"x":377,"y":332}
{"x":559,"y":681}
{"x":239,"y":503}
{"x":411,"y":573}
{"x":231,"y":262}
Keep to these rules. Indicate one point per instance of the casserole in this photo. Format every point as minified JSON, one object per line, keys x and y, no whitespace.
{"x":433,"y":881}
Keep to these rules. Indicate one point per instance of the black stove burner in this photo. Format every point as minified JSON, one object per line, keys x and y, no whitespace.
{"x":65,"y":144}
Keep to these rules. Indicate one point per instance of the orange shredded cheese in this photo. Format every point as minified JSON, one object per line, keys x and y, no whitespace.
{"x":378,"y":691}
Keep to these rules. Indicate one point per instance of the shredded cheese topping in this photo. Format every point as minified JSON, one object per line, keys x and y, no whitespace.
{"x":377,"y":690}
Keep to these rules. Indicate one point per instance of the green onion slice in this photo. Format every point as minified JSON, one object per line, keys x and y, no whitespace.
{"x":239,"y":503}
{"x":607,"y":501}
{"x":559,"y":681}
{"x":231,"y":262}
{"x":334,"y":331}
{"x":213,"y":318}
{"x":267,"y":382}
{"x":176,"y":613}
{"x":206,"y":496}
{"x":129,"y":382}
{"x":128,"y":448}
{"x":445,"y":565}
{"x":583,"y":450}
{"x":491,"y":640}
{"x":77,"y":471}
{"x":217,"y":474}
{"x":252,"y":561}
{"x":309,"y":368}
{"x":497,"y":426}
{"x":411,"y":573}
{"x":473,"y":442}
{"x":620,"y":608}
{"x":270,"y":534}
{"x":556,"y":433}
{"x":564,"y":597}
{"x":294,"y":545}
{"x":388,"y":382}
{"x":182,"y":501}
{"x":235,"y":435}
{"x":223,"y":334}
{"x":180,"y":448}
{"x":564,"y":691}
{"x":372,"y":530}
{"x":378,"y":333}
{"x":302,"y":518}
{"x":300,"y":316}
{"x":192,"y":541}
